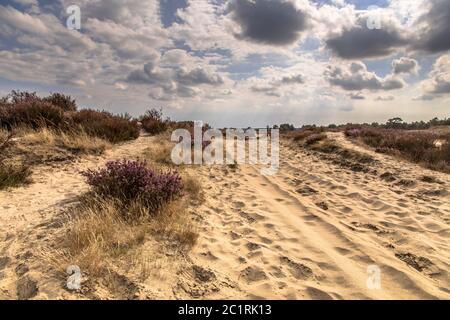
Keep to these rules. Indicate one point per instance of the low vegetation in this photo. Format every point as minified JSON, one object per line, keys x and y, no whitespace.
{"x":129,"y":204}
{"x":314,"y":139}
{"x":428,"y":148}
{"x":153,"y":123}
{"x":104,"y":125}
{"x":77,"y":142}
{"x":11,"y":174}
{"x":37,"y":129}
{"x":59,"y":112}
{"x":132,"y":181}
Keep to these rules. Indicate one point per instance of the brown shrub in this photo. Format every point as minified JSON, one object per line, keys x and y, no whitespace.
{"x":66,"y":103}
{"x":314,"y":138}
{"x":153,"y":122}
{"x":105,"y":125}
{"x":97,"y":236}
{"x":302,"y":134}
{"x":31,"y":113}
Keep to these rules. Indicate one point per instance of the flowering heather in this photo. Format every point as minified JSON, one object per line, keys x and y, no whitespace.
{"x":132,"y":180}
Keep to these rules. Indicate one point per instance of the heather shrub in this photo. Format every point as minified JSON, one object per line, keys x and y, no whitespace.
{"x":153,"y":122}
{"x":19,"y":96}
{"x":105,"y":125}
{"x":314,"y":138}
{"x":303,"y":134}
{"x":131,"y":181}
{"x":66,"y":103}
{"x":30,"y":113}
{"x":416,"y":146}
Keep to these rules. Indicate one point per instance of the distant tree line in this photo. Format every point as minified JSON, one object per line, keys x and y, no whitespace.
{"x":394,"y":123}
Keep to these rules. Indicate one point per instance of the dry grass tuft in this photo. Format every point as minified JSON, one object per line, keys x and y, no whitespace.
{"x":160,"y":153}
{"x":76,"y":142}
{"x":193,"y":188}
{"x":97,"y":236}
{"x":97,"y":233}
{"x":14,"y":175}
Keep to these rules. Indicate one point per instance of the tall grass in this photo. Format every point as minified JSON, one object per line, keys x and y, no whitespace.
{"x":13,"y":175}
{"x":76,"y":142}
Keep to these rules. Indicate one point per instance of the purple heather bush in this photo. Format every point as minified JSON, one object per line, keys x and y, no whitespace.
{"x":131,"y":181}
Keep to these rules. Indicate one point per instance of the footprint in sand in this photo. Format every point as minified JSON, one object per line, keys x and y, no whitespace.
{"x":253,"y":274}
{"x":251,"y":246}
{"x":298,"y":270}
{"x":238,"y":204}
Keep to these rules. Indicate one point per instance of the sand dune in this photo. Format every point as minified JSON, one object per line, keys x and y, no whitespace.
{"x":309,"y":232}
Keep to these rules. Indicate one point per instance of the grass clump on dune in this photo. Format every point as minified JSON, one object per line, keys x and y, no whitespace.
{"x":77,"y":142}
{"x":11,"y":174}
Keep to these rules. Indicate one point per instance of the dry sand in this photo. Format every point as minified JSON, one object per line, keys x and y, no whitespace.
{"x":309,"y":232}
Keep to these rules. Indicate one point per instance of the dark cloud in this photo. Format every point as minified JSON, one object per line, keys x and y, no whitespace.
{"x":356,"y":78}
{"x":442,"y":86}
{"x":171,"y":83}
{"x":148,"y":75}
{"x":385,"y":98}
{"x":275,"y":22}
{"x":357,"y":96}
{"x":404,"y":65}
{"x":360,"y":42}
{"x":270,"y":88}
{"x":267,"y":90}
{"x":298,"y":78}
{"x":435,"y":36}
{"x":197,"y":76}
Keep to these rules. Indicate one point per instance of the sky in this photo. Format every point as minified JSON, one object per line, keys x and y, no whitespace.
{"x":235,"y":62}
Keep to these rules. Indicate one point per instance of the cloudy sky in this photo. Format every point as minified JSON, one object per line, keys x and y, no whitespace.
{"x":236,"y":62}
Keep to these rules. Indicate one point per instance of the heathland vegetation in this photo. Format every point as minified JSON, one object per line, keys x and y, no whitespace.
{"x":425,"y":143}
{"x":132,"y":211}
{"x":128,"y":199}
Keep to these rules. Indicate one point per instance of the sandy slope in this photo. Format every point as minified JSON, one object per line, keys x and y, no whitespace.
{"x":310,"y":232}
{"x":270,"y":236}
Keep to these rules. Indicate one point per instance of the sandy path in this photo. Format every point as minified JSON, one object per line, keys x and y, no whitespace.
{"x":269,"y":235}
{"x":310,"y":232}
